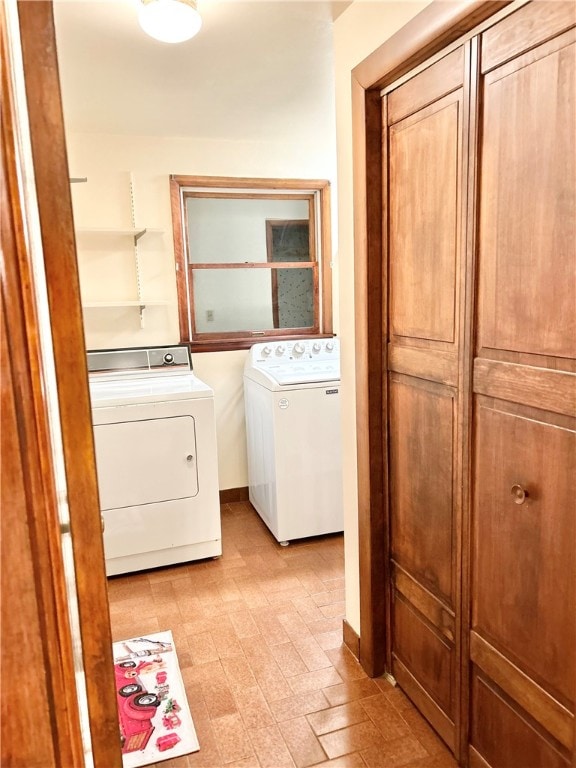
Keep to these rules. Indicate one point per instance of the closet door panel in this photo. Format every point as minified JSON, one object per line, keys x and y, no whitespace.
{"x":523,"y":516}
{"x":427,"y":87}
{"x":424,"y":652}
{"x":421,"y":460}
{"x":525,"y":29}
{"x":527,"y":287}
{"x":506,"y":736}
{"x":424,"y":171}
{"x":424,"y":152}
{"x":524,"y":532}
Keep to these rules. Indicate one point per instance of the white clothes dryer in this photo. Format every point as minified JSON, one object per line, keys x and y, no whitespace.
{"x":155,"y":441}
{"x":292,"y":401}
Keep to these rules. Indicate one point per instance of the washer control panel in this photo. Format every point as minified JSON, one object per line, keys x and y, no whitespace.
{"x":301,"y":350}
{"x":300,"y":361}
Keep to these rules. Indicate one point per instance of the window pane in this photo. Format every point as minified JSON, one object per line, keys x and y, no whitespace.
{"x":227,"y":300}
{"x":235,"y":230}
{"x":294,"y":298}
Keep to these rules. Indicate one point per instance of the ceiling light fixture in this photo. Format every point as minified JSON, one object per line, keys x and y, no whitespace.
{"x":171,"y":21}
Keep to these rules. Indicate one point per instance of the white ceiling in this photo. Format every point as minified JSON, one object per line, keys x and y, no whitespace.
{"x":252,"y":67}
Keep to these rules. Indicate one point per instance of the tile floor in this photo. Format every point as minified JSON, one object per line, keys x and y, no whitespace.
{"x":258,"y":634}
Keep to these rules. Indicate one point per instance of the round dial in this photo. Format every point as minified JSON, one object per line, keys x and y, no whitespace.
{"x":299,"y":348}
{"x":168,"y":358}
{"x":329,"y":346}
{"x":280,"y":349}
{"x":316,"y":347}
{"x":266,"y":351}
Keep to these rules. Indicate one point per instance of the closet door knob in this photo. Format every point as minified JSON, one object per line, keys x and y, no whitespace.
{"x":519,"y":494}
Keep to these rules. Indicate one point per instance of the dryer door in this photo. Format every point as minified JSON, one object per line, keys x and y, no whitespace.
{"x":146,"y":461}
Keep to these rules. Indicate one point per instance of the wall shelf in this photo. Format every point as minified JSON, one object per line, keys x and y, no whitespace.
{"x":135,"y":233}
{"x":141,"y":304}
{"x":132,"y":303}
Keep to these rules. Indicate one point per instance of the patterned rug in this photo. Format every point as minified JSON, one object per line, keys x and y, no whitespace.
{"x":153,"y":712}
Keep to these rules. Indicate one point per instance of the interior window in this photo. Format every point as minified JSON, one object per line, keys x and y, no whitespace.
{"x":252,"y":259}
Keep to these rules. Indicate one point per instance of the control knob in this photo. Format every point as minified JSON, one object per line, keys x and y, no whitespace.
{"x":280,"y":349}
{"x":168,"y":358}
{"x":329,"y":346}
{"x":316,"y":347}
{"x":299,"y":348}
{"x":266,"y":351}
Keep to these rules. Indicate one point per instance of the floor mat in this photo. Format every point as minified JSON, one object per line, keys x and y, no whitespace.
{"x":154,"y":716}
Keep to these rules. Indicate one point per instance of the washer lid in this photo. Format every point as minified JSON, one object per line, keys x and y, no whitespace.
{"x":305,"y":372}
{"x":149,"y":389}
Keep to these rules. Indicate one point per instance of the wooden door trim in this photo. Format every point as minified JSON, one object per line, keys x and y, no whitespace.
{"x":36,"y":633}
{"x":432,"y":30}
{"x":437,"y":26}
{"x":59,"y":250}
{"x":371,"y":393}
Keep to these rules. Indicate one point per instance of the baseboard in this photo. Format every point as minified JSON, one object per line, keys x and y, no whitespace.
{"x":230,"y":495}
{"x":351,"y":639}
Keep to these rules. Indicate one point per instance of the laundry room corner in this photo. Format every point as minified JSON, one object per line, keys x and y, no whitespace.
{"x":226,"y":380}
{"x":117,"y":166}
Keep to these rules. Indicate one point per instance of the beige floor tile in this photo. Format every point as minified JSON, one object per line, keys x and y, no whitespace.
{"x":289,"y":660}
{"x":258,"y":635}
{"x":335,"y":718}
{"x":384,"y":715}
{"x":253,"y":707}
{"x":349,"y":691}
{"x":395,"y":754}
{"x":219,"y":699}
{"x":312,"y":655}
{"x":270,"y":747}
{"x":231,"y":737}
{"x":295,"y":706}
{"x":239,"y":673}
{"x":351,"y":739}
{"x":315,"y":681}
{"x":302,"y":742}
{"x":353,"y":760}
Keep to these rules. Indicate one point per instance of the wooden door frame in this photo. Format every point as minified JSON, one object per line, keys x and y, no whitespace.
{"x":53,"y":208}
{"x":438,"y":26}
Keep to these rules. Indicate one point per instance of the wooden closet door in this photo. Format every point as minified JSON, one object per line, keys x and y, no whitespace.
{"x":523,"y":640}
{"x":424,"y":164}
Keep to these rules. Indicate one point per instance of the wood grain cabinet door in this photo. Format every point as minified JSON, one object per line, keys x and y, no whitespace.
{"x":424,"y":152}
{"x":523,"y":641}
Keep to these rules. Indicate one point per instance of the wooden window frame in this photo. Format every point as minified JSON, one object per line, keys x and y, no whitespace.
{"x":317,"y":192}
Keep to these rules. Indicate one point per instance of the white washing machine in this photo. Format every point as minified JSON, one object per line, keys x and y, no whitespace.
{"x":155,"y":440}
{"x":292,"y":400}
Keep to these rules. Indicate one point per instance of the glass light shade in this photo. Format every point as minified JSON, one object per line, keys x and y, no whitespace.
{"x":171,"y":21}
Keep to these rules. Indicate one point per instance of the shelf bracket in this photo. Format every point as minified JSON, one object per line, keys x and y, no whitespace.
{"x":142,"y":307}
{"x":138,"y":235}
{"x":77,"y":179}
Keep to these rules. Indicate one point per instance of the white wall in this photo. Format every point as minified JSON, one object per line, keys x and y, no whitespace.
{"x":362,"y":28}
{"x":107,"y":268}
